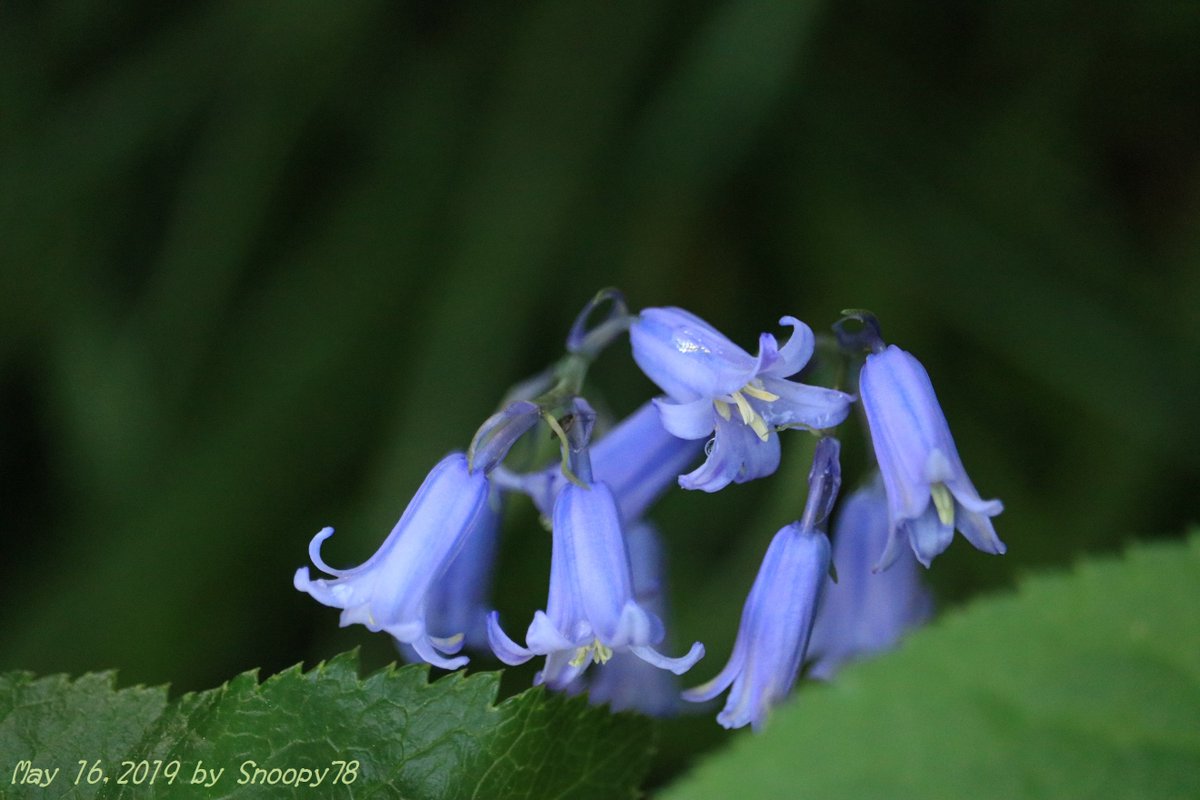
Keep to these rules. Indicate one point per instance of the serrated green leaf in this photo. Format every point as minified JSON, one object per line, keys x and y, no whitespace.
{"x":1082,"y":685}
{"x":392,"y":734}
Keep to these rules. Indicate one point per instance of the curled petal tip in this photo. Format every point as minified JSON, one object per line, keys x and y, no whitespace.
{"x":678,"y":665}
{"x":505,"y":648}
{"x":314,"y":552}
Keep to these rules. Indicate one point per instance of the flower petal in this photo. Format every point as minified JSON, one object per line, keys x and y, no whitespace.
{"x":543,"y":637}
{"x":314,"y":553}
{"x":737,"y":455}
{"x":505,"y":648}
{"x":688,"y":358}
{"x":676,"y":665}
{"x":559,"y":672}
{"x":928,"y":535}
{"x":978,"y":529}
{"x":587,"y":529}
{"x":457,"y":604}
{"x":710,"y":689}
{"x":812,"y":407}
{"x":637,"y":627}
{"x":780,"y":362}
{"x":427,"y":652}
{"x":694,"y":420}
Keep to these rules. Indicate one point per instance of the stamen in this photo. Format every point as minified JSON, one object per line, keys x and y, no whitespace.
{"x":751,"y":417}
{"x":943,"y":501}
{"x":743,"y":405}
{"x":581,"y":655}
{"x":760,"y":393}
{"x":722,"y":409}
{"x":599,"y":652}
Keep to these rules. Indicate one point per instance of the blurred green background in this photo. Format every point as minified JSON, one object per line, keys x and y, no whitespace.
{"x":264,"y":263}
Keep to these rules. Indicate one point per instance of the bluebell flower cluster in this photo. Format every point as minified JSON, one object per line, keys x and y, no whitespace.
{"x":718,"y":421}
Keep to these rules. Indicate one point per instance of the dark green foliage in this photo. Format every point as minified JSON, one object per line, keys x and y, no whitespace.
{"x":391,"y":734}
{"x":1085,"y":685}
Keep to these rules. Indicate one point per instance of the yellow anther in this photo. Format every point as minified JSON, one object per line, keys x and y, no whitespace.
{"x":743,"y":405}
{"x":599,"y":652}
{"x":760,"y":393}
{"x":722,"y":409}
{"x":943,"y":501}
{"x":581,"y":655}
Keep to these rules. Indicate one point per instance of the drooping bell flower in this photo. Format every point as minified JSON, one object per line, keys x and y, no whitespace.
{"x":459,"y":601}
{"x":390,"y":591}
{"x":929,"y":494}
{"x":627,"y":682}
{"x":591,"y":612}
{"x":778,"y":615}
{"x":865,"y":612}
{"x":719,"y":392}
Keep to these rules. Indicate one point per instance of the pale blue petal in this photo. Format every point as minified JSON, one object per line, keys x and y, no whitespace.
{"x":710,"y":689}
{"x":559,"y":674}
{"x":458,"y":602}
{"x":686,"y":357}
{"x":736,"y":455}
{"x":636,"y":627}
{"x":778,"y":362}
{"x":314,"y":553}
{"x":694,"y":420}
{"x":906,"y":424}
{"x":676,"y":665}
{"x":759,"y":458}
{"x":978,"y":530}
{"x":928,"y":535}
{"x":812,"y":407}
{"x":897,"y":544}
{"x":543,"y":637}
{"x":626,"y":681}
{"x":587,"y":523}
{"x":564,"y":611}
{"x":505,"y":648}
{"x":426,"y":651}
